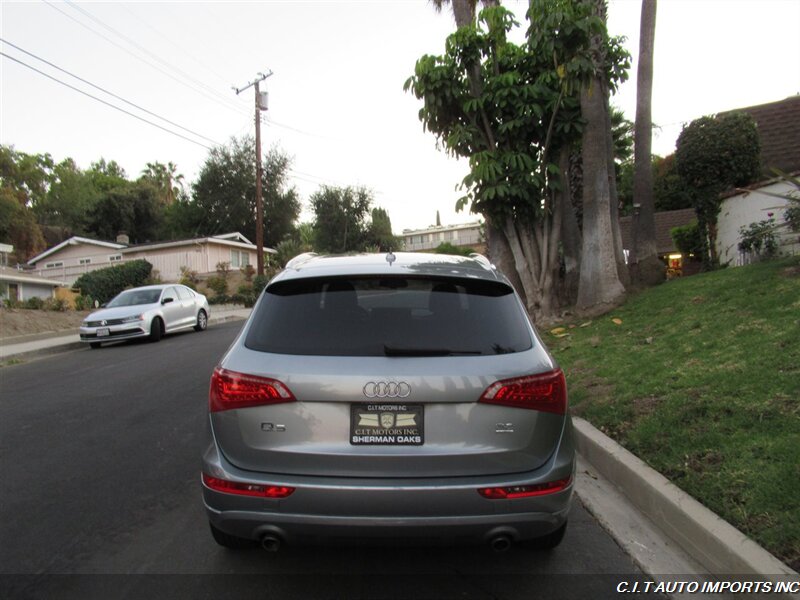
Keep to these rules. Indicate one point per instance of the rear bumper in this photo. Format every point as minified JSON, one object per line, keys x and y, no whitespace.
{"x":347,"y":510}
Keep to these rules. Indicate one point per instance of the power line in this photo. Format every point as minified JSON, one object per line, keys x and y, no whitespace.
{"x":122,"y":110}
{"x":236,"y":109}
{"x":141,"y":48}
{"x":149,"y":112}
{"x":172,"y":42}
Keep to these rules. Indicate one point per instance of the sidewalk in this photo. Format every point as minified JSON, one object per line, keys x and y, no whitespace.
{"x":49,"y":343}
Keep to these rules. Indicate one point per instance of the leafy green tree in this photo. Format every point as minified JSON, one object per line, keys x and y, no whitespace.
{"x":511,"y":110}
{"x":715,"y":154}
{"x":28,"y":174}
{"x":225,"y":192}
{"x":340,"y":218}
{"x":379,"y":232}
{"x":133,"y":208}
{"x":18,"y":226}
{"x":166,"y":179}
{"x":70,"y":199}
{"x":106,"y":176}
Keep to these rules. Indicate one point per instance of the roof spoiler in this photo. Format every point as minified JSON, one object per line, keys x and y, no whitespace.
{"x":483,"y":261}
{"x":299,"y":260}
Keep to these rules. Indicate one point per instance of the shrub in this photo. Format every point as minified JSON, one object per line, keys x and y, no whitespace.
{"x":688,"y":239}
{"x":245,"y":295}
{"x":759,"y":239}
{"x":218,"y":285}
{"x":104,"y":284}
{"x":84,"y":302}
{"x":448,"y":248}
{"x":56,"y":304}
{"x":259,"y":283}
{"x":33,"y":303}
{"x":248,"y":271}
{"x":219,"y":299}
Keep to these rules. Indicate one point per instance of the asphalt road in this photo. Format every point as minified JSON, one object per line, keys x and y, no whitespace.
{"x":100,"y":498}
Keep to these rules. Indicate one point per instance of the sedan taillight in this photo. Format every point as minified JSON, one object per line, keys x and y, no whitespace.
{"x":230,"y":390}
{"x":546,"y":392}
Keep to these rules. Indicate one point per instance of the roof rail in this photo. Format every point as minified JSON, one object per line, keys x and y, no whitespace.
{"x":483,"y":261}
{"x":299,"y":260}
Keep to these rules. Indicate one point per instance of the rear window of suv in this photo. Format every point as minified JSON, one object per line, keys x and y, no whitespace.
{"x":396,"y":316}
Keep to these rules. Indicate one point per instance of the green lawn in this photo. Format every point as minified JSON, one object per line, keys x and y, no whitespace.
{"x":700,"y":378}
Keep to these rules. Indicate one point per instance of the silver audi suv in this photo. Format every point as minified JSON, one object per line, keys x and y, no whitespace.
{"x":399,"y":397}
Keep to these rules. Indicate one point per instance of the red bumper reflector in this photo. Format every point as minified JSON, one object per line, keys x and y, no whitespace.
{"x":525,"y":491}
{"x":241,"y":488}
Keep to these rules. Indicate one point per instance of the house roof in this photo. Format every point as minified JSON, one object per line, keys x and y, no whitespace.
{"x":435,"y":228}
{"x":74,"y":241}
{"x":15,"y":276}
{"x":229,"y":239}
{"x":779,"y":130}
{"x":664,"y":222}
{"x":234,"y":239}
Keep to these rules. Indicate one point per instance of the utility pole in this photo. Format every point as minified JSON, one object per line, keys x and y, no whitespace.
{"x":260,"y":105}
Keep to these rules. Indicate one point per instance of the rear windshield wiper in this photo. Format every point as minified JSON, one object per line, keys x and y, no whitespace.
{"x":405,"y":351}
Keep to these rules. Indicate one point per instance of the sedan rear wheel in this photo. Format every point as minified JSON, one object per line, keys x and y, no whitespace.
{"x":156,"y":329}
{"x":202,"y":321}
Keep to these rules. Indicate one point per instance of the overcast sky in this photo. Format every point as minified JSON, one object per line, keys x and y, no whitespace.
{"x":336,"y":100}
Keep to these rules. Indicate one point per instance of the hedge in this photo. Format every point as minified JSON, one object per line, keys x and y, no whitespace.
{"x":104,"y":284}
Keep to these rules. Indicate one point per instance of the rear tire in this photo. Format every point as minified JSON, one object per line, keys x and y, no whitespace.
{"x":546,"y":542}
{"x":232,"y":542}
{"x":94,"y":345}
{"x":156,"y":329}
{"x":202,"y":321}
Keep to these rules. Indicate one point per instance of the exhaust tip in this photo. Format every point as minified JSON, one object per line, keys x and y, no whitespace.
{"x":500,"y":543}
{"x":270,"y":543}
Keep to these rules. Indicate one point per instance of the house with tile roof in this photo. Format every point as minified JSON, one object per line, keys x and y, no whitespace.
{"x":665,"y":221}
{"x":778,"y":126}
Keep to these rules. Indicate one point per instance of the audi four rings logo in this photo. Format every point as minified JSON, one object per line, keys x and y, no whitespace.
{"x":387,"y":389}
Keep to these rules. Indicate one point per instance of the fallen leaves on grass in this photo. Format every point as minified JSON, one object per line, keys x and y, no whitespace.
{"x":616,"y":321}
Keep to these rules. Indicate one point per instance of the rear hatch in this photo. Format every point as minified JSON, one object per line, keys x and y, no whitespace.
{"x":382,"y":377}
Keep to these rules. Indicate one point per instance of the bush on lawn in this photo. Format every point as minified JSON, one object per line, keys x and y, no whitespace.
{"x":104,"y":284}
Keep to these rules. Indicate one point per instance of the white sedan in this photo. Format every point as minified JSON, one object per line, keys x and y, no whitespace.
{"x":149,"y":311}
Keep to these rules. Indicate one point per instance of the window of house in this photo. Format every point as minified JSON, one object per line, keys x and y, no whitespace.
{"x":85,"y":261}
{"x":115,"y":258}
{"x":239,"y":259}
{"x":53,"y":265}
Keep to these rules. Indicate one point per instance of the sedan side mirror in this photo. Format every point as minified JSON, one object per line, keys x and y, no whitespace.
{"x":167,"y":300}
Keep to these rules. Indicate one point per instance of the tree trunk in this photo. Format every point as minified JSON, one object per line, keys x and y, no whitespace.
{"x":619,"y":254}
{"x":599,"y":282}
{"x":646,"y":266}
{"x":463,"y":12}
{"x":570,"y":233}
{"x":500,"y":254}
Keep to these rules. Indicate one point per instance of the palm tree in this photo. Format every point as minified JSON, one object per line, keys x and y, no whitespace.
{"x":646,"y":267}
{"x":599,"y":273}
{"x":166,"y":179}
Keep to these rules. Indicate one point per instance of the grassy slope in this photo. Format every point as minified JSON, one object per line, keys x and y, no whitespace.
{"x":702,"y":381}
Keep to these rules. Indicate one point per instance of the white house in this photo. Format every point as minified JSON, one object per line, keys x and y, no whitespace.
{"x":20,"y":286}
{"x":78,"y":255}
{"x":465,"y":235}
{"x":758,"y":202}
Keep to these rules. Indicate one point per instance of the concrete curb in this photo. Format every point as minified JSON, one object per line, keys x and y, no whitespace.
{"x":711,"y":541}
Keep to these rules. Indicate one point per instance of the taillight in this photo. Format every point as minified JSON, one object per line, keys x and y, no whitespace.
{"x":546,"y":392}
{"x":236,"y":390}
{"x":525,"y":491}
{"x":247,"y":489}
